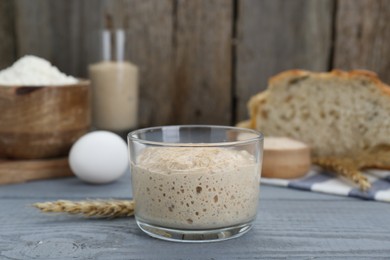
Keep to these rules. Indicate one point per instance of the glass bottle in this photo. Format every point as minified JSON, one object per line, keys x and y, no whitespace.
{"x":114,"y":86}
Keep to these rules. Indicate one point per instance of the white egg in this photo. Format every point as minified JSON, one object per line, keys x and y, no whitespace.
{"x":99,"y":157}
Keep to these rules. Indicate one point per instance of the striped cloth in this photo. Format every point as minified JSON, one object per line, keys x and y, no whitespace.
{"x":319,"y":180}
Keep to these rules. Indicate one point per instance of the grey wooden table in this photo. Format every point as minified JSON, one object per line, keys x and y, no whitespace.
{"x":291,"y":224}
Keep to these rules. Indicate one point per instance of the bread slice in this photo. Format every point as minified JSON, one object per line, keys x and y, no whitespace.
{"x":335,"y":113}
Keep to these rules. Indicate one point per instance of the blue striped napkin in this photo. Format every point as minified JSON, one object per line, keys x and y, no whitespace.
{"x":319,"y":180}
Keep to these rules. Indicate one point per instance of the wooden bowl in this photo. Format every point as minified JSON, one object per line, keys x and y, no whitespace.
{"x":42,"y":122}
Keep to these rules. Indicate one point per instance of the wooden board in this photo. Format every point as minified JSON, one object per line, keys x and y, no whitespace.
{"x":149,"y":34}
{"x":33,"y":29}
{"x":65,"y":32}
{"x":7,"y":33}
{"x":16,"y":171}
{"x":363,"y":36}
{"x":276,"y":35}
{"x":66,"y":35}
{"x":202,"y":87}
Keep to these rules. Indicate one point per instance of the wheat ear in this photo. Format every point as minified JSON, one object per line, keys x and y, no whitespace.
{"x":344,"y":167}
{"x":90,"y":208}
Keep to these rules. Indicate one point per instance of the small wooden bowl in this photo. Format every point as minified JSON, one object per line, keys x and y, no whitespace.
{"x":42,"y":122}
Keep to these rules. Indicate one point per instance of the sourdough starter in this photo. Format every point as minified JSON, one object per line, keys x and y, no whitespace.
{"x":115,"y":95}
{"x":195,"y":188}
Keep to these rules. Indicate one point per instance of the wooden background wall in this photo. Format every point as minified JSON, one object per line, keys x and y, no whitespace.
{"x":201,"y":60}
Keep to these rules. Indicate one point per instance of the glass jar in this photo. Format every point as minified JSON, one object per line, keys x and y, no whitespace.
{"x":114,"y":86}
{"x":195,"y":183}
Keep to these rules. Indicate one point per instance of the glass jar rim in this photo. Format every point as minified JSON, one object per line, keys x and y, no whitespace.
{"x":257,"y":136}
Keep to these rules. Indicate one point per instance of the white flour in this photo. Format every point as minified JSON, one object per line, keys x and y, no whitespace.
{"x":195,"y":188}
{"x":34,"y":71}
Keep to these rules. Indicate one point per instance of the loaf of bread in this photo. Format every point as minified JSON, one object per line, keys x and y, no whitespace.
{"x":337,"y":113}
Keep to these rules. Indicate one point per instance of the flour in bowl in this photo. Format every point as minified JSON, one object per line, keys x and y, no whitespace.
{"x":34,"y":71}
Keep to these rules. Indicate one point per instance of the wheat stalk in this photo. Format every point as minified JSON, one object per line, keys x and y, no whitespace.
{"x":345,"y":167}
{"x":90,"y":208}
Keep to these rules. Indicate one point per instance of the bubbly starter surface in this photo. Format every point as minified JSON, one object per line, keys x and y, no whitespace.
{"x":195,"y":187}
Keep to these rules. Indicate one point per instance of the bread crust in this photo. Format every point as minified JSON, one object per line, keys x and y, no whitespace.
{"x":244,"y":124}
{"x":370,"y":75}
{"x":288,"y":74}
{"x":256,"y":103}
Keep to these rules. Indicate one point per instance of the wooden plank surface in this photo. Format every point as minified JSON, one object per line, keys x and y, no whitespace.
{"x":149,"y":34}
{"x":67,"y":35}
{"x":290,"y":224}
{"x":276,"y":35}
{"x":33,"y":29}
{"x":202,"y":83}
{"x":7,"y":33}
{"x":64,"y":32}
{"x":363,"y":36}
{"x":187,"y":51}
